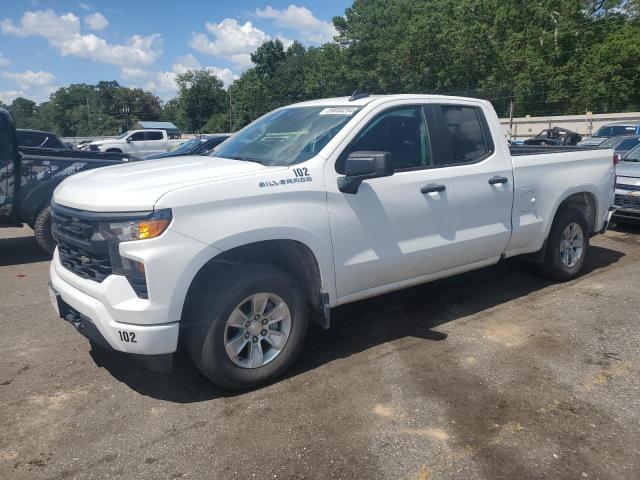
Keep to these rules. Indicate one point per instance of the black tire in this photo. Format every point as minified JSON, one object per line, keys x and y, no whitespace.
{"x":552,"y":267}
{"x":42,"y":229}
{"x":209,"y":308}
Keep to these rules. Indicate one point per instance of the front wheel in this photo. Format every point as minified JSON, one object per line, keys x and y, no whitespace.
{"x":567,"y":246}
{"x":246,"y":327}
{"x":42,"y":230}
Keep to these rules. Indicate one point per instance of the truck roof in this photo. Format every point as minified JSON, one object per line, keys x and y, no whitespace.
{"x":361,"y":102}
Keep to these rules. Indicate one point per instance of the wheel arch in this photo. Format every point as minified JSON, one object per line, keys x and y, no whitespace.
{"x":583,"y":199}
{"x":293,"y":256}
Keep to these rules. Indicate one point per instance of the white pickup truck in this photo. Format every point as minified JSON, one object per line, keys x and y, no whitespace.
{"x":138,"y":143}
{"x":311,"y":206}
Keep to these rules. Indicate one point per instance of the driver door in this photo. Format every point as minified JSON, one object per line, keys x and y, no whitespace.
{"x":394,"y":228}
{"x":137,"y":144}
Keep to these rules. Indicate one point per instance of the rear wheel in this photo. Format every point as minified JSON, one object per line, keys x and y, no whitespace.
{"x":42,"y":230}
{"x":247,"y":326}
{"x":567,"y":246}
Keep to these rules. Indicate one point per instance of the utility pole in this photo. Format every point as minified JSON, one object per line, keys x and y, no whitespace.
{"x":125,"y":110}
{"x":511,"y":108}
{"x":89,"y":117}
{"x":230,"y":114}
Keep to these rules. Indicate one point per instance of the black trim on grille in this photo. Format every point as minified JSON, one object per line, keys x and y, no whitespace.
{"x":81,"y":247}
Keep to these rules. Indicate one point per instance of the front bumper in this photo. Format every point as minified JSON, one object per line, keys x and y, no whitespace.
{"x":92,"y":318}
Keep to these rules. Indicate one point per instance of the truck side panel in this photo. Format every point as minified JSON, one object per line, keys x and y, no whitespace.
{"x":543,"y":181}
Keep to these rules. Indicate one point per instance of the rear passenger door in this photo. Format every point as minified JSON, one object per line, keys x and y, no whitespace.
{"x":481,"y":183}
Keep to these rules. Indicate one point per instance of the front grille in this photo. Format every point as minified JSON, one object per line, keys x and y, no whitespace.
{"x":627,"y":201}
{"x":82,"y":249}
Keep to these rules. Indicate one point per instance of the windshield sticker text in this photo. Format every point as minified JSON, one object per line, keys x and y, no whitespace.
{"x":338,"y":111}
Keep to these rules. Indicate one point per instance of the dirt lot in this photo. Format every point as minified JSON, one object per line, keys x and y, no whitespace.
{"x":493,"y":374}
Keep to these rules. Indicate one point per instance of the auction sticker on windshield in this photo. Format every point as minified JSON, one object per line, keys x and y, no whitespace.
{"x":339,"y":111}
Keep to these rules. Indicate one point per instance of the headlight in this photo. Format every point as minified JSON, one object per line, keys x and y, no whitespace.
{"x":133,"y":229}
{"x":137,"y":229}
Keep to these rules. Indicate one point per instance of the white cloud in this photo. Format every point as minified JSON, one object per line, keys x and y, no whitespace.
{"x":30,"y":78}
{"x":134,"y":73}
{"x":163,"y":83}
{"x":4,"y":62}
{"x":302,"y":20}
{"x":186,"y":63}
{"x":84,"y":6}
{"x":231,"y":41}
{"x":96,"y":21}
{"x":8,"y":96}
{"x":63,"y":34}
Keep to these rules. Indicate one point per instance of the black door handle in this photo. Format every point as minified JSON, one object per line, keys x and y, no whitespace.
{"x":496,"y":180}
{"x":433,"y":188}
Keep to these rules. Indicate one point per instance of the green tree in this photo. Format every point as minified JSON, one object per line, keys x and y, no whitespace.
{"x":23,"y":112}
{"x":200,"y":96}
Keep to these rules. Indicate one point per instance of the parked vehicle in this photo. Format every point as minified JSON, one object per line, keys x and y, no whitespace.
{"x":622,"y":144}
{"x":628,"y":187}
{"x":312,"y":206}
{"x":138,"y":143}
{"x":28,"y":177}
{"x":200,"y":145}
{"x":555,"y":136}
{"x":611,"y":130}
{"x":38,"y":139}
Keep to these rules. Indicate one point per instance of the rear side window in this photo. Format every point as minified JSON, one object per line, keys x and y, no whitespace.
{"x":154,"y":136}
{"x":466,"y":133}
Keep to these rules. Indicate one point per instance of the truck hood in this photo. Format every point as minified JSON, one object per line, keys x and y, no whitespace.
{"x":628,"y":173}
{"x":138,"y":186}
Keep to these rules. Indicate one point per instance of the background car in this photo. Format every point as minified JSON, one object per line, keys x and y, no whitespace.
{"x":199,"y":145}
{"x":555,"y":136}
{"x":38,"y":139}
{"x":628,"y":187}
{"x":622,"y":144}
{"x":611,"y":130}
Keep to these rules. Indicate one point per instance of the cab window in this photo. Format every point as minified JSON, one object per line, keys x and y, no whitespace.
{"x":400,"y":131}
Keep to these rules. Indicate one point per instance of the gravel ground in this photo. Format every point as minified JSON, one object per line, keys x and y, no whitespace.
{"x":495,"y":374}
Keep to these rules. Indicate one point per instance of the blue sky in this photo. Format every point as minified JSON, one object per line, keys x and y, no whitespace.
{"x":45,"y":44}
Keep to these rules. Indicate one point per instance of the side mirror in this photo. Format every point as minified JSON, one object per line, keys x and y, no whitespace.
{"x":361,"y":166}
{"x":129,"y":140}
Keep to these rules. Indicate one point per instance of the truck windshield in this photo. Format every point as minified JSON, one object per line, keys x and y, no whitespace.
{"x":123,"y":135}
{"x":286,"y":136}
{"x":189,"y":145}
